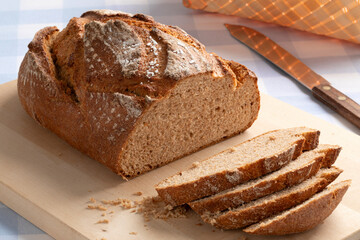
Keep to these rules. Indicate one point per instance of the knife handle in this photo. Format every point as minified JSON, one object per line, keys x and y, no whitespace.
{"x":339,"y":102}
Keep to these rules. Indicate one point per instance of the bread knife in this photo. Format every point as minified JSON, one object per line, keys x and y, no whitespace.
{"x":320,"y":87}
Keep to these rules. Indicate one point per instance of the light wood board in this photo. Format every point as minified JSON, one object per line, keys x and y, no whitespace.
{"x":49,"y":183}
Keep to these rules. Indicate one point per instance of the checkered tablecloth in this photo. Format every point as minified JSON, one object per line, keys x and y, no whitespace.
{"x":337,"y":61}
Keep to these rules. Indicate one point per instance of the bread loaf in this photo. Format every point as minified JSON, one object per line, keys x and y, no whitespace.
{"x":132,"y":93}
{"x":248,"y":160}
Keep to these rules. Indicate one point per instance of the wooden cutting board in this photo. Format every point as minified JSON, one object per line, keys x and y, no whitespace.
{"x":50,"y":183}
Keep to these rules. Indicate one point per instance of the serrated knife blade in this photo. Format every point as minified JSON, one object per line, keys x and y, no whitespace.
{"x":320,"y":87}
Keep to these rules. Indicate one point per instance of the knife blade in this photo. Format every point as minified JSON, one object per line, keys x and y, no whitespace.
{"x":320,"y":87}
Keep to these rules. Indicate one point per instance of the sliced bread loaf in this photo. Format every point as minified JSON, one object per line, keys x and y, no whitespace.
{"x":132,"y":93}
{"x":249,"y":160}
{"x":304,"y":167}
{"x":267,"y":206}
{"x":304,"y":216}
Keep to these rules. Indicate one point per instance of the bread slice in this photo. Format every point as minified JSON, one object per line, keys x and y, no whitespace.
{"x":304,"y":167}
{"x":267,"y":206}
{"x":132,"y":93}
{"x":304,"y":216}
{"x":249,"y":160}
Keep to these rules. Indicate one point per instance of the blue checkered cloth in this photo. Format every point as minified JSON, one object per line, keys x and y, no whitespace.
{"x":337,"y":61}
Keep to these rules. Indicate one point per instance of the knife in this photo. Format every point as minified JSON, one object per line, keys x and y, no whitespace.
{"x":320,"y":87}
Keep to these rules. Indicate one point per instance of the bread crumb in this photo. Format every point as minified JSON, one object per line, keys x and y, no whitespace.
{"x":232,"y":149}
{"x":98,"y":207}
{"x":104,"y":230}
{"x":133,"y":233}
{"x":156,"y":208}
{"x":149,"y":207}
{"x":124,"y":203}
{"x":272,"y":138}
{"x":92,"y":200}
{"x":137,"y":193}
{"x":103,"y":221}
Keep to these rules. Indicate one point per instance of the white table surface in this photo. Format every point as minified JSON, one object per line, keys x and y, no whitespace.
{"x":337,"y":61}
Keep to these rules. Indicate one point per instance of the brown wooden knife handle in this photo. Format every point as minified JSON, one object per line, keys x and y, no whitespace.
{"x":339,"y":102}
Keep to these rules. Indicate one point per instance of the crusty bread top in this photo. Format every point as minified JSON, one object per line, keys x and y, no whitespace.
{"x":130,"y":58}
{"x":112,"y":51}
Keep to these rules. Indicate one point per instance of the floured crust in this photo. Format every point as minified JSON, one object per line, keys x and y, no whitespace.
{"x":150,"y":56}
{"x":93,"y":81}
{"x":39,"y":91}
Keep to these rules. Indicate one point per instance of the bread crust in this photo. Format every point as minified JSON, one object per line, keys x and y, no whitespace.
{"x":67,"y":80}
{"x":41,"y":94}
{"x":331,"y":154}
{"x":303,"y":217}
